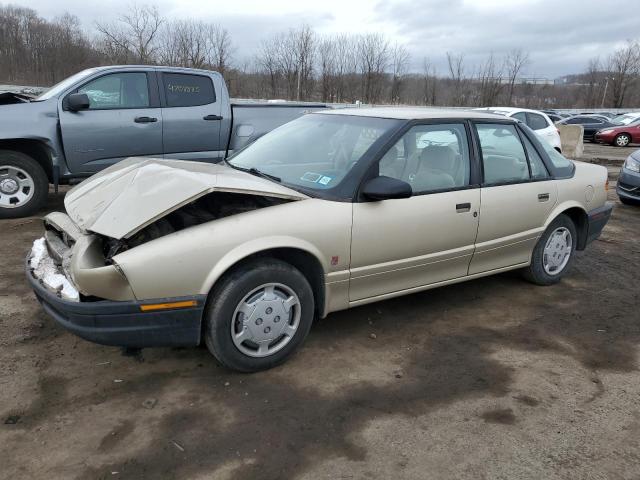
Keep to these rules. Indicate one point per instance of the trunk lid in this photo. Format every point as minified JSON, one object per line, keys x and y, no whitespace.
{"x":126,"y":197}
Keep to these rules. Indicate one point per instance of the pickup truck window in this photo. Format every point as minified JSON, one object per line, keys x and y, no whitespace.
{"x":185,"y":90}
{"x":316,"y":151}
{"x":117,"y":90}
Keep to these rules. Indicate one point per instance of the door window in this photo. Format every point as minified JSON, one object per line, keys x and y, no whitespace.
{"x":117,"y":90}
{"x":185,"y":90}
{"x":430,"y":158}
{"x":503,"y":156}
{"x":536,"y":122}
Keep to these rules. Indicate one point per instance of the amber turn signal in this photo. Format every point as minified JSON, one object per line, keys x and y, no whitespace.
{"x":166,"y":306}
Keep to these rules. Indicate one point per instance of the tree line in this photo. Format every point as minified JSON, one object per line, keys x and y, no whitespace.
{"x":300,"y":64}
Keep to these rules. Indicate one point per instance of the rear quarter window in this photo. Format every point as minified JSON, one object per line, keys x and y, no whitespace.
{"x":185,"y":90}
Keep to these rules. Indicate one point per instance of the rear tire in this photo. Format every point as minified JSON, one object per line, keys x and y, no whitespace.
{"x":554,"y":252}
{"x":248,"y":326}
{"x":24,"y":185}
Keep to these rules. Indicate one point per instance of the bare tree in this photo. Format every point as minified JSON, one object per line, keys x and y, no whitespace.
{"x":268,"y":61}
{"x":373,"y":56}
{"x":623,"y":67}
{"x":490,"y":81}
{"x":134,"y":34}
{"x":515,"y":61}
{"x":593,"y":80}
{"x":304,"y":43}
{"x":399,"y":64}
{"x":429,"y":82}
{"x":327,"y":63}
{"x":456,"y":67}
{"x":221,"y":48}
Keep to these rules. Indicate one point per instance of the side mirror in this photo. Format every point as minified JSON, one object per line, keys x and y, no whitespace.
{"x":77,"y":101}
{"x":386,"y":188}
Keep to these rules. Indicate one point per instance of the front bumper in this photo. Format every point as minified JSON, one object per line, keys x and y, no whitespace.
{"x":628,"y":185}
{"x":597,"y":219}
{"x":604,"y":138}
{"x":123,"y":323}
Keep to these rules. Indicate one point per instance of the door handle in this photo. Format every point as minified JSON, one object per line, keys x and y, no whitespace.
{"x":212,"y":117}
{"x":145,"y":119}
{"x":463,"y":207}
{"x":543,"y":197}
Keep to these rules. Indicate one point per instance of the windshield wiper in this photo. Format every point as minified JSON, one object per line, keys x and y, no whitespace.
{"x":254,"y":171}
{"x":259,"y":173}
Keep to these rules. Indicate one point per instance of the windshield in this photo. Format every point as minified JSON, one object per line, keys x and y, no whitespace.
{"x":625,"y":119}
{"x":315,"y":151}
{"x":64,"y":84}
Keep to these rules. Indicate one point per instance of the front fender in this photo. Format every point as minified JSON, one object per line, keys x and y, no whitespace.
{"x":256,"y":246}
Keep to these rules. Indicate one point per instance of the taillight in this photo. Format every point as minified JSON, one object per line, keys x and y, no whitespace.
{"x":606,"y":185}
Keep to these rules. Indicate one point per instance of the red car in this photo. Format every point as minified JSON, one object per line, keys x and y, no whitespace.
{"x":626,"y":131}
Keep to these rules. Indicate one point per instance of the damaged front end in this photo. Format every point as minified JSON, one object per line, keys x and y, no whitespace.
{"x":81,"y":269}
{"x":210,"y":207}
{"x":70,"y":264}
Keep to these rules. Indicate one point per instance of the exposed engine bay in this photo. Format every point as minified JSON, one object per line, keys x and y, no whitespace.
{"x":205,"y":209}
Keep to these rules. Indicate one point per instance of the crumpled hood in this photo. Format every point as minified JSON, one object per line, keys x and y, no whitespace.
{"x":126,"y":197}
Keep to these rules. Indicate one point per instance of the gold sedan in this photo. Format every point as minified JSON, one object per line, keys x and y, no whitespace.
{"x":331,"y":211}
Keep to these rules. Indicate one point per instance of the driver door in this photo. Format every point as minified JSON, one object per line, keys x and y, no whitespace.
{"x":123,"y":120}
{"x":404,"y":244}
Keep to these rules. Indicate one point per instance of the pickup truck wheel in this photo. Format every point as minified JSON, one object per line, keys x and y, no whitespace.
{"x":24,"y":185}
{"x":258,"y":315}
{"x":553,"y":253}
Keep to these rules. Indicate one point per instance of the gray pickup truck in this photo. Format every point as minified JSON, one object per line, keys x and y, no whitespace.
{"x":100,"y":116}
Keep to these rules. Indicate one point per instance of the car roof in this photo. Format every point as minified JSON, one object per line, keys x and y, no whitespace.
{"x":510,"y":110}
{"x":411,"y":113}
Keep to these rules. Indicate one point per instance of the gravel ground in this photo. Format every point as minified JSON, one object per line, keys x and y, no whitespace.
{"x":494,"y":378}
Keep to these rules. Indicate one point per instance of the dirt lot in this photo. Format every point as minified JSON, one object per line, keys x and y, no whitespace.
{"x":495,"y":378}
{"x":607,"y":154}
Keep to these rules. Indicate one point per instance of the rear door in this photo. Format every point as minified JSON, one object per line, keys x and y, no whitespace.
{"x":517,"y":195}
{"x":123,"y":120}
{"x":192,"y":114}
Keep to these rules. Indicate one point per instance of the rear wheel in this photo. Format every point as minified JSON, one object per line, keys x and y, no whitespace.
{"x":24,"y":185}
{"x":622,"y":140}
{"x":553,"y":253}
{"x":258,"y":315}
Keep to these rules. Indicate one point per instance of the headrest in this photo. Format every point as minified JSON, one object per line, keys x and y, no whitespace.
{"x":437,"y":157}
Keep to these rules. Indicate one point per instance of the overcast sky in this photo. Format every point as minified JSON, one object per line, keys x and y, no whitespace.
{"x":560,"y":35}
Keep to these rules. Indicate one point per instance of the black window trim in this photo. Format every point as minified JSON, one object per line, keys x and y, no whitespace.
{"x":554,"y":172}
{"x":151,"y":88}
{"x":162,"y":86}
{"x":526,"y":153}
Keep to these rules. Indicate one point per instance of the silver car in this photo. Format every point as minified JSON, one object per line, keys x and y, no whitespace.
{"x":331,"y":211}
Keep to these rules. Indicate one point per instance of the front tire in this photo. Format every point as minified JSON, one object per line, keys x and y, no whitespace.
{"x":24,"y":185}
{"x":622,"y":140}
{"x":258,"y":315}
{"x":553,"y":253}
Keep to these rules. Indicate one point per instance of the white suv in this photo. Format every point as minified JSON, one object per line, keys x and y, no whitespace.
{"x":537,"y":121}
